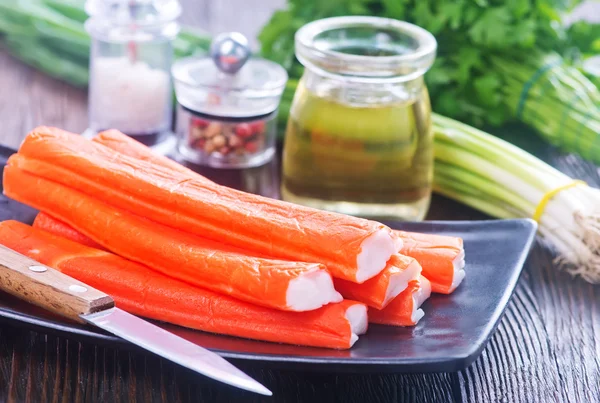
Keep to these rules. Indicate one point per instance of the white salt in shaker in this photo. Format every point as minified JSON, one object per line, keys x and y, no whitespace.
{"x":130,"y":62}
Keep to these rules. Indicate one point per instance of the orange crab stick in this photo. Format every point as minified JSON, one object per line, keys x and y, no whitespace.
{"x":50,"y":224}
{"x":122,"y":143}
{"x":384,"y":287}
{"x":405,"y":309}
{"x":352,"y":248}
{"x":376,"y":292}
{"x":285,"y":285}
{"x":442,"y":258}
{"x":147,"y":293}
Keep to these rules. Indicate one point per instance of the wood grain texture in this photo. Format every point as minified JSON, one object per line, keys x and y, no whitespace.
{"x":49,"y":289}
{"x":546,"y":348}
{"x":29,"y":99}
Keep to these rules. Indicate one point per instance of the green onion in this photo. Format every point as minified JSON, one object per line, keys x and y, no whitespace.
{"x":53,"y":29}
{"x":557,"y":100}
{"x":37,"y":55}
{"x":590,"y":66}
{"x":72,"y":9}
{"x":502,"y":180}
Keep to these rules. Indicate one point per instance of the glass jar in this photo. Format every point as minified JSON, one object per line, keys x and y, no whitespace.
{"x":359,"y":139}
{"x":130,"y":62}
{"x":227,"y":105}
{"x":220,"y":142}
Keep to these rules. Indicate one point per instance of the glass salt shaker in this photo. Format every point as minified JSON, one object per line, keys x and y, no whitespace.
{"x":131,"y":55}
{"x":227,"y":105}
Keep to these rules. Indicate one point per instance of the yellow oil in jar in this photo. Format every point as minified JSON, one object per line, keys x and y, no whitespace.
{"x":374,"y":161}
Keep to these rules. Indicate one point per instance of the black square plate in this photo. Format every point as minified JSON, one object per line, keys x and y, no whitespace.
{"x":452,"y":334}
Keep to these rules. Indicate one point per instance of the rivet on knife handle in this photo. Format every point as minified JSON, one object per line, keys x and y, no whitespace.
{"x":48,"y":288}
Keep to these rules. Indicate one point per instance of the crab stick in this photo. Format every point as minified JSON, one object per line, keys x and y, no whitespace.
{"x":442,"y":258}
{"x":147,"y":293}
{"x":405,"y":309}
{"x":286,"y":285}
{"x":384,"y":287}
{"x":50,"y":224}
{"x":376,"y":292}
{"x":352,"y":248}
{"x":122,"y":143}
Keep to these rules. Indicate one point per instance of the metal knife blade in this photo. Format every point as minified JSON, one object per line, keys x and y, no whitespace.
{"x":55,"y":291}
{"x":174,"y":348}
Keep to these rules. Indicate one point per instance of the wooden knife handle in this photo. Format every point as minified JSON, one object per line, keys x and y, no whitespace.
{"x":48,"y":288}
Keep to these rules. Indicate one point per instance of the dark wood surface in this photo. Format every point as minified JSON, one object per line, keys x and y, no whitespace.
{"x":546,"y":349}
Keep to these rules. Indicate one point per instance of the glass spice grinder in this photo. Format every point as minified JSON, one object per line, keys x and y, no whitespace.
{"x":227,"y":105}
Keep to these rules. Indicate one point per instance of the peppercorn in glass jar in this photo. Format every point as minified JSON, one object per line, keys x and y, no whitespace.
{"x":227,"y":105}
{"x":359,"y":138}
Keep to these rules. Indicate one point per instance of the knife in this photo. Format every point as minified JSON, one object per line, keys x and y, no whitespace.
{"x":56,"y":292}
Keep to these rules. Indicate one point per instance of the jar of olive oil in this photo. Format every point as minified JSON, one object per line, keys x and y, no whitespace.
{"x":359,"y":138}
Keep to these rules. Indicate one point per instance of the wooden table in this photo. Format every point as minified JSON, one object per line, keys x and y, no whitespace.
{"x":546,"y":349}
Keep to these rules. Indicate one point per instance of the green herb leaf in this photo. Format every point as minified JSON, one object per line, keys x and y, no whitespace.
{"x":491,"y":28}
{"x":465,"y":82}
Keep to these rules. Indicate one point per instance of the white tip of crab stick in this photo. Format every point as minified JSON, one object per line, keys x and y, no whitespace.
{"x":375,"y":251}
{"x":399,"y":281}
{"x":419,"y":297}
{"x":459,"y":273}
{"x":358,"y":319}
{"x":398,"y":244}
{"x":311,"y":290}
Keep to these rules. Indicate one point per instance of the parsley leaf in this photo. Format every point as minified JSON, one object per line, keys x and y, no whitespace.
{"x":464,"y":82}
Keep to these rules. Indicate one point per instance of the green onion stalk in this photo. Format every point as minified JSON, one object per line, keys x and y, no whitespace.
{"x":502,"y":180}
{"x":590,"y":66}
{"x":556,"y":99}
{"x":49,"y":35}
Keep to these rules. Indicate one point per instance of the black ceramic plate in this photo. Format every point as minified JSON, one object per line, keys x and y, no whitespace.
{"x":452,"y":334}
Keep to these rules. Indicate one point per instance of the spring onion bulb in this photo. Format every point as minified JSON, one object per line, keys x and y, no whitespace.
{"x":500,"y":179}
